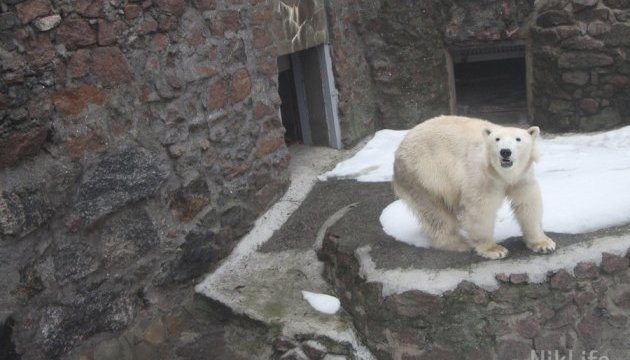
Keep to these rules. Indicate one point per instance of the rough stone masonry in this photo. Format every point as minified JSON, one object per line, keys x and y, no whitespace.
{"x":139,"y":139}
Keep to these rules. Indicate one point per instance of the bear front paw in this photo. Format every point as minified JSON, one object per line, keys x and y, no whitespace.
{"x":491,"y":251}
{"x":545,"y":245}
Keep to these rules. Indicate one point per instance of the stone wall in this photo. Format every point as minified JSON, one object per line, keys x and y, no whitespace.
{"x":299,"y":25}
{"x":471,"y":23}
{"x":404,"y":49}
{"x":566,"y":314}
{"x":138,"y":141}
{"x":393,"y":54}
{"x":581,"y":64}
{"x":359,"y":112}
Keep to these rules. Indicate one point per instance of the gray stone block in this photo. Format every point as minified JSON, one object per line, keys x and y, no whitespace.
{"x":118,"y":180}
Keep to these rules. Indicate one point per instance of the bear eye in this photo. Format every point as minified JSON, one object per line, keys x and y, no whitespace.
{"x":497,"y":139}
{"x":518,"y":139}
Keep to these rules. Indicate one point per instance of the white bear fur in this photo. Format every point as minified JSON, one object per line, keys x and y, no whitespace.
{"x":449,"y":171}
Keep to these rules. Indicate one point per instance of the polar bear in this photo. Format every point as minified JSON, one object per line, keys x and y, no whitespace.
{"x":454,"y":172}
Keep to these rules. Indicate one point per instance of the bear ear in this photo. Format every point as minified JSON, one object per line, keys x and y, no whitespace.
{"x":534,"y":131}
{"x":487,"y":132}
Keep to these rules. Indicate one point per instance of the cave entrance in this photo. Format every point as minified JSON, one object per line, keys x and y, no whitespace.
{"x":490,"y":82}
{"x":309,"y":99}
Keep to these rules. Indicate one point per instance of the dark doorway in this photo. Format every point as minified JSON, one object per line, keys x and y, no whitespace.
{"x":289,"y":107}
{"x":491,"y":83}
{"x":309,"y":99}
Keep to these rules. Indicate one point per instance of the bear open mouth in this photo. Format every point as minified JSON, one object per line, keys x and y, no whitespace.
{"x":506,"y":163}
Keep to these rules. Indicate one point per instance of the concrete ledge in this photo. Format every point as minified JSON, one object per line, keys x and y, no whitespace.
{"x":263,"y":279}
{"x":408,"y":302}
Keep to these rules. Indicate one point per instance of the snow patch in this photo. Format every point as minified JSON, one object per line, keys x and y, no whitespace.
{"x":321,"y":302}
{"x":399,"y":222}
{"x":374,"y":162}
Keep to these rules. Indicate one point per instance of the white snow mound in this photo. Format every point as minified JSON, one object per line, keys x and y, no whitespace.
{"x":321,"y":302}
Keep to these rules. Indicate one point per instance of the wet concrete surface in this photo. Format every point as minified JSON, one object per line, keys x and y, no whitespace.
{"x":326,"y":197}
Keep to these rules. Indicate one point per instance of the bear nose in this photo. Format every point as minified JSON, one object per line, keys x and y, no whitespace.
{"x":506,"y":153}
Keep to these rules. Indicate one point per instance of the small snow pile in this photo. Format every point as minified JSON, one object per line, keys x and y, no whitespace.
{"x":321,"y":302}
{"x":374,"y":162}
{"x":583,"y":178}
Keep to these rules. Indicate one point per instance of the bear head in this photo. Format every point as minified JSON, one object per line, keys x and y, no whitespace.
{"x":511,"y":150}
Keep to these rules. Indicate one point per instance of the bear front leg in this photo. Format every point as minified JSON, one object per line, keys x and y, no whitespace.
{"x":478,"y":224}
{"x":528,"y":209}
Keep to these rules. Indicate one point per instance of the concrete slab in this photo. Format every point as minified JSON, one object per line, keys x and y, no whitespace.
{"x":267,"y":287}
{"x":382,"y":257}
{"x":401,"y":267}
{"x":325,"y":198}
{"x":361,"y":227}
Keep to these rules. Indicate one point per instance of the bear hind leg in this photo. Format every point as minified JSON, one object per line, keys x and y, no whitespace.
{"x":443,"y":229}
{"x":438,"y":222}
